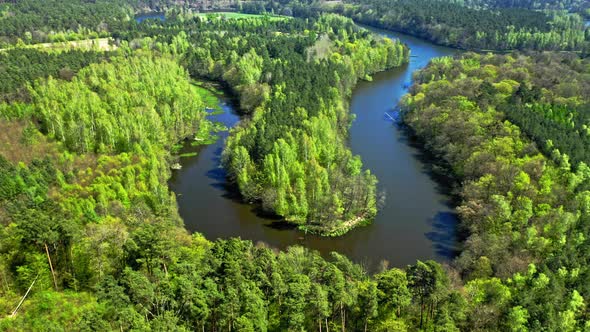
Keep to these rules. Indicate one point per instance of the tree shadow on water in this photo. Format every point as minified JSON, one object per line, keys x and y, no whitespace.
{"x":230,"y":191}
{"x":280,"y":225}
{"x":218,"y":173}
{"x":444,"y":234}
{"x":433,"y":166}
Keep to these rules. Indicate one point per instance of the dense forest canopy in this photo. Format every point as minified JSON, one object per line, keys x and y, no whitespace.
{"x":59,"y":20}
{"x":92,"y":112}
{"x":21,"y":66}
{"x":270,"y":68}
{"x":292,"y":155}
{"x":86,"y":210}
{"x":525,"y":211}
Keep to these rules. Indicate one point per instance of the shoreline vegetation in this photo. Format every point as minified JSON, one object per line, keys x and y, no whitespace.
{"x":516,"y":41}
{"x":517,"y":147}
{"x":335,"y":230}
{"x":209,"y":94}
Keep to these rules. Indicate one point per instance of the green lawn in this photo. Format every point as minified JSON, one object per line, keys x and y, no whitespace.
{"x":234,"y":15}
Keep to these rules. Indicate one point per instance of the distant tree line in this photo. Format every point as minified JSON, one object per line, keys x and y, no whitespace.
{"x":452,"y":23}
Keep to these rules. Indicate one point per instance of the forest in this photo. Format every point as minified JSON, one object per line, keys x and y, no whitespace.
{"x":90,"y":233}
{"x":34,"y":21}
{"x":523,"y":202}
{"x":283,"y":158}
{"x":22,"y":65}
{"x":85,"y":157}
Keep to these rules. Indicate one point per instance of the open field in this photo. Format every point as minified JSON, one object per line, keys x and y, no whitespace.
{"x":233,"y":15}
{"x":101,"y":43}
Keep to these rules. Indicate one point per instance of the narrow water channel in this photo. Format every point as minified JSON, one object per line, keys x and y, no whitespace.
{"x":415,"y":222}
{"x":150,"y":16}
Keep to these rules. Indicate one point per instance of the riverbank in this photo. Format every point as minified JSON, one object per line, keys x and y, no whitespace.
{"x":337,"y":229}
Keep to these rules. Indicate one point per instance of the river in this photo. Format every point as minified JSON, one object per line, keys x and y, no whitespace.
{"x":150,"y":16}
{"x":416,"y":221}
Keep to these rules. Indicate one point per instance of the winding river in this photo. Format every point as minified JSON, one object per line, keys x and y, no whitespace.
{"x":416,"y":220}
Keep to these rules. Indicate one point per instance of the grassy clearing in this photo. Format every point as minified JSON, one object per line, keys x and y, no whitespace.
{"x":101,"y":44}
{"x":21,"y":141}
{"x":233,"y":15}
{"x":321,"y":49}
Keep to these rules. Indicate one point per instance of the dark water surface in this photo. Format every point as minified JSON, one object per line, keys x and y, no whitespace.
{"x":150,"y":16}
{"x":416,"y":221}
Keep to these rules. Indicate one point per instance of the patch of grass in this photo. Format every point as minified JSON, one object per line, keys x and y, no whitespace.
{"x":209,"y":140}
{"x":218,"y":126}
{"x":176,"y":147}
{"x":321,"y":49}
{"x":84,"y":44}
{"x":237,"y":16}
{"x":208,"y":97}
